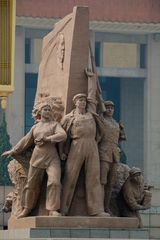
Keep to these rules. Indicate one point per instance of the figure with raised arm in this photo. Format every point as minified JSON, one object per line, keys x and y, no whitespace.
{"x":44,"y":135}
{"x":83,"y":129}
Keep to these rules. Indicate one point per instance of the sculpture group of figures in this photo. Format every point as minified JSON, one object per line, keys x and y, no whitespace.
{"x":77,"y":153}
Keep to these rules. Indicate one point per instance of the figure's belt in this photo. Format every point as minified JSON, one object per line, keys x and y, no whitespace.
{"x":84,"y":137}
{"x":110,"y":141}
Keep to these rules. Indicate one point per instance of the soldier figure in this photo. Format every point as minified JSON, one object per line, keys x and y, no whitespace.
{"x":109,"y":152}
{"x":134,"y":195}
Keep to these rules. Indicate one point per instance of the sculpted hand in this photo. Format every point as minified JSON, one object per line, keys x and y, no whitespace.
{"x":39,"y":142}
{"x":121,"y":125}
{"x":46,"y":139}
{"x":143,"y":208}
{"x":7,"y":153}
{"x":88,"y":72}
{"x":63,"y":156}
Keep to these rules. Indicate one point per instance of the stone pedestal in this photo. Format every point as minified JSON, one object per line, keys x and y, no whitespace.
{"x":72,"y":222}
{"x":73,"y":227}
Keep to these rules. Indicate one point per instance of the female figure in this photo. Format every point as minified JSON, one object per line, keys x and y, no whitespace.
{"x":44,"y":134}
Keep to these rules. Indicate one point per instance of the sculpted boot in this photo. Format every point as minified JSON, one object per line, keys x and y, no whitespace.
{"x":54,"y":214}
{"x":102,"y":214}
{"x":24,"y":213}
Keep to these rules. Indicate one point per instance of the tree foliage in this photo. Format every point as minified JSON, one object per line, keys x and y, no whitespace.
{"x":4,"y":146}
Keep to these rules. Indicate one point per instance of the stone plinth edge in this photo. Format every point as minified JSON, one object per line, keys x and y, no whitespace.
{"x":72,"y":222}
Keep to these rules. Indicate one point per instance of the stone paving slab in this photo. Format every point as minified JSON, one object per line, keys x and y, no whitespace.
{"x":66,"y":234}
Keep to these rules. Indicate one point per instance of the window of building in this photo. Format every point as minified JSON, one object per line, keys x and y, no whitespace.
{"x":120,"y":55}
{"x":143,"y":55}
{"x":111,"y":91}
{"x":97,"y":53}
{"x":33,"y":50}
{"x":37,"y":50}
{"x":127,"y":55}
{"x":30,"y":91}
{"x":27,"y":50}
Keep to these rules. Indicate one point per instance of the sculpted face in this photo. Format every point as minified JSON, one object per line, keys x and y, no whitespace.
{"x":136,"y":178}
{"x":109,"y":110}
{"x":81,"y":103}
{"x":46,"y":112}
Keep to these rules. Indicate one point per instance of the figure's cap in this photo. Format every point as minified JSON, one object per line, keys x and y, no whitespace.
{"x":79,"y":95}
{"x":134,"y":170}
{"x":108,"y":103}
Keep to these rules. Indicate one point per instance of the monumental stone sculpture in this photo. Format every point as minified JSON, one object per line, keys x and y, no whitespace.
{"x":14,"y":200}
{"x":81,"y":127}
{"x":44,"y":135}
{"x":85,"y":141}
{"x":134,"y":195}
{"x":109,"y":152}
{"x":64,"y":57}
{"x":122,"y":173}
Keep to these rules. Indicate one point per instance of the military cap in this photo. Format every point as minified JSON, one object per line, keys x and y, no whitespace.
{"x":134,"y":170}
{"x":79,"y":95}
{"x":108,"y":103}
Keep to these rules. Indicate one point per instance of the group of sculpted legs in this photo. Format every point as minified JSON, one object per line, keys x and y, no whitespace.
{"x":83,"y":138}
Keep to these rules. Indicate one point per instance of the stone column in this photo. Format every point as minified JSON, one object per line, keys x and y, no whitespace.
{"x":16,"y":104}
{"x":152,"y":114}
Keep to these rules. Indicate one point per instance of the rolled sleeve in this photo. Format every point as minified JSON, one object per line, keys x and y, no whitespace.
{"x":60,"y":135}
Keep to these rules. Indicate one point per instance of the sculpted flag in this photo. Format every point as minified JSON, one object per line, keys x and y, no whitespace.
{"x":64,"y":58}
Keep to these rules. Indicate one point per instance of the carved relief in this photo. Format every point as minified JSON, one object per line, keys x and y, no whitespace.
{"x":60,"y":50}
{"x":14,"y":199}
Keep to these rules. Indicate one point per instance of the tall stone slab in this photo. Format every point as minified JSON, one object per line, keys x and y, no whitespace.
{"x":64,"y":58}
